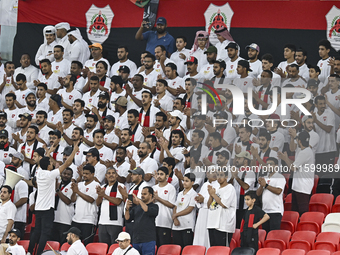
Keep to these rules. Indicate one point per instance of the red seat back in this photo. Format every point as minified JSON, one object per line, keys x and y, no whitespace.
{"x":194,"y":250}
{"x":65,"y":247}
{"x":55,"y":246}
{"x":311,"y":221}
{"x":293,"y":252}
{"x":113,"y":247}
{"x":320,"y":252}
{"x":237,"y":237}
{"x":302,"y":240}
{"x":169,"y":249}
{"x":316,"y":181}
{"x":24,"y":243}
{"x":277,"y":239}
{"x":268,"y":251}
{"x":218,"y":250}
{"x":262,"y":236}
{"x":290,"y":216}
{"x":288,"y":202}
{"x":321,"y":203}
{"x":97,"y":248}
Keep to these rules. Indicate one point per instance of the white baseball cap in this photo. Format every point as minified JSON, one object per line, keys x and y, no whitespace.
{"x":177,"y":113}
{"x":123,"y":236}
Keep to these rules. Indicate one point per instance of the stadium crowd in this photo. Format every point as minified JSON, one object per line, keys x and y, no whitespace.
{"x":102,"y":146}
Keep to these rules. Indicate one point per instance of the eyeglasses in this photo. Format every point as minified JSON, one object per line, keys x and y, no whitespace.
{"x":88,"y":155}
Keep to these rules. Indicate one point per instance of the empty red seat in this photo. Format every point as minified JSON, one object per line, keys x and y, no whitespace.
{"x":288,"y":202}
{"x":112,"y":248}
{"x":55,"y":246}
{"x":25,"y":244}
{"x":218,"y":250}
{"x":302,"y":240}
{"x":289,"y":221}
{"x":268,"y":251}
{"x":97,"y":248}
{"x":293,"y":252}
{"x":316,"y":182}
{"x":65,"y":247}
{"x":194,"y":250}
{"x":311,"y":221}
{"x":237,"y":237}
{"x":320,"y":252}
{"x":336,"y":208}
{"x":277,"y":239}
{"x":232,"y":244}
{"x":321,"y":203}
{"x":327,"y":241}
{"x":262,"y":236}
{"x":337,"y":200}
{"x":169,"y":249}
{"x":336,"y":253}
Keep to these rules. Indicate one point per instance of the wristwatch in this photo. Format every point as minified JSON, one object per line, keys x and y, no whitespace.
{"x":266,"y":185}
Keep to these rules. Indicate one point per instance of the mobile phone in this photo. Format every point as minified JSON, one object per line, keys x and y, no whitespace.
{"x":130,"y":197}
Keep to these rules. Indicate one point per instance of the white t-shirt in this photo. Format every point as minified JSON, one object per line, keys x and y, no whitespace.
{"x":249,"y":179}
{"x":325,"y":69}
{"x":183,"y":202}
{"x":123,"y":169}
{"x":256,"y":68}
{"x":64,"y":213}
{"x":332,"y":98}
{"x":86,"y":212}
{"x":278,"y":140}
{"x":179,"y":61}
{"x":150,"y":79}
{"x":272,"y":203}
{"x":100,"y":171}
{"x":43,"y":134}
{"x":21,"y":191}
{"x":327,"y":140}
{"x":91,"y":101}
{"x":243,"y":83}
{"x":46,"y":189}
{"x":52,"y":82}
{"x":77,"y":248}
{"x":111,"y":137}
{"x":80,"y":121}
{"x":230,"y":71}
{"x":207,"y":72}
{"x":12,"y":116}
{"x":21,"y":96}
{"x":4,"y":155}
{"x":303,"y":180}
{"x":166,"y":102}
{"x":223,"y":219}
{"x":55,"y":118}
{"x":283,"y":65}
{"x":68,"y":132}
{"x":164,"y":217}
{"x":174,"y":84}
{"x":62,"y":68}
{"x":91,"y":65}
{"x":69,"y":97}
{"x":114,"y":97}
{"x":16,"y":250}
{"x":104,"y":218}
{"x":31,"y":74}
{"x":149,"y":165}
{"x":130,"y":64}
{"x":7,"y":212}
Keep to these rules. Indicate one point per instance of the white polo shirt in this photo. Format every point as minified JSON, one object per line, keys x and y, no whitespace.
{"x":174,"y":84}
{"x":100,"y":171}
{"x":77,"y":248}
{"x":61,"y":68}
{"x":150,"y":79}
{"x":272,"y":203}
{"x":69,"y":97}
{"x":64,"y":213}
{"x":137,"y":94}
{"x":327,"y":140}
{"x":7,"y":212}
{"x":168,"y":193}
{"x":21,"y":191}
{"x":46,"y":189}
{"x":149,"y":165}
{"x":130,"y":64}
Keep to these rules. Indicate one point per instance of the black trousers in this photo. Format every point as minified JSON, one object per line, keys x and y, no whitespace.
{"x":108,"y":233}
{"x":21,"y":227}
{"x":239,"y":217}
{"x":274,"y":223}
{"x":58,"y":232}
{"x":87,"y":231}
{"x":163,"y":236}
{"x":183,"y":237}
{"x":327,"y":158}
{"x":219,"y":238}
{"x":300,"y":202}
{"x":42,"y":231}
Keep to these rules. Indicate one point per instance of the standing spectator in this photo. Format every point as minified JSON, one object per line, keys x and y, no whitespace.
{"x":144,"y":215}
{"x":73,"y":239}
{"x":31,"y":72}
{"x":158,"y":37}
{"x":62,"y":37}
{"x":61,"y":66}
{"x":271,"y":188}
{"x":201,"y":44}
{"x":124,"y":241}
{"x":122,"y":54}
{"x":184,"y":213}
{"x":7,"y":82}
{"x":232,"y":63}
{"x":97,"y":55}
{"x":165,"y":198}
{"x":323,"y":64}
{"x":79,"y":49}
{"x":206,"y":70}
{"x":111,"y":208}
{"x":22,"y":90}
{"x":254,"y":62}
{"x":289,"y":54}
{"x":180,"y":55}
{"x":46,"y":49}
{"x":300,"y":58}
{"x":224,"y":38}
{"x":93,"y":159}
{"x":7,"y":212}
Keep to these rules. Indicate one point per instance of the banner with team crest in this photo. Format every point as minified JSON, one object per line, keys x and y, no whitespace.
{"x":216,"y":17}
{"x":333,"y":27}
{"x":98,"y":23}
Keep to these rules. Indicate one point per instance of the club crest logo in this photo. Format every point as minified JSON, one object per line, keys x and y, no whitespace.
{"x":333,"y":27}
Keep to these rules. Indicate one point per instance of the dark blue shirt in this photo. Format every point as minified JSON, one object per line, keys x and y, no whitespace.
{"x":152,"y":41}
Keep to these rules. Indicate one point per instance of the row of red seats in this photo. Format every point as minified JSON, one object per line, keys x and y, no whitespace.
{"x":273,"y":251}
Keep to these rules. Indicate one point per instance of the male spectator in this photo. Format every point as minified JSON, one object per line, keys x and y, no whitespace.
{"x":77,"y":134}
{"x":55,"y":151}
{"x":180,"y":55}
{"x":90,"y":98}
{"x":323,"y":63}
{"x":158,"y":37}
{"x":147,"y":112}
{"x":104,"y":81}
{"x":197,"y":145}
{"x":300,"y":58}
{"x":165,"y":198}
{"x":215,"y":139}
{"x":7,"y":83}
{"x":73,"y":239}
{"x":231,"y":65}
{"x":324,"y":123}
{"x":66,"y":128}
{"x":17,"y":160}
{"x":41,"y":99}
{"x":331,"y":96}
{"x":93,"y":159}
{"x":97,"y":55}
{"x":199,"y":124}
{"x":173,"y":79}
{"x":105,"y":153}
{"x":242,"y":179}
{"x":135,"y":127}
{"x":79,"y":118}
{"x":23,"y":125}
{"x":267,"y":64}
{"x":289,"y":54}
{"x":224,"y":38}
{"x":122,"y":54}
{"x":74,"y":174}
{"x":79,"y":49}
{"x":48,"y":77}
{"x":122,"y":167}
{"x":170,"y":163}
{"x":76,"y":69}
{"x":201,"y":44}
{"x":144,"y":215}
{"x":263,"y":90}
{"x":56,"y":113}
{"x":254,"y":62}
{"x":111,"y":207}
{"x":184,"y":213}
{"x":293,"y":77}
{"x":68,"y":93}
{"x":116,"y":87}
{"x":174,"y":123}
{"x":134,"y":95}
{"x":61,"y":66}
{"x":278,"y":139}
{"x":31,"y":72}
{"x":111,"y":140}
{"x":125,"y":142}
{"x":85,"y":195}
{"x":149,"y":74}
{"x":161,"y":60}
{"x":7,"y":212}
{"x":5,"y":149}
{"x":124,"y":241}
{"x":303,"y":179}
{"x":64,"y":208}
{"x":192,"y":64}
{"x":218,"y":69}
{"x":206,"y":71}
{"x":45,"y":202}
{"x":45,"y":50}
{"x":162,"y":101}
{"x":244,"y":142}
{"x":13,"y":247}
{"x":12,"y":110}
{"x":22,"y":90}
{"x":121,"y":109}
{"x":271,"y":188}
{"x":243,"y":82}
{"x":102,"y":110}
{"x":62,"y":37}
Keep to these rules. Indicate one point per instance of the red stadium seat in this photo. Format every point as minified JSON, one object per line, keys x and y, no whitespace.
{"x":302,"y":240}
{"x":311,"y":221}
{"x":262,"y":236}
{"x":289,"y":221}
{"x":65,"y":247}
{"x":336,"y":253}
{"x":194,"y":250}
{"x":169,"y":249}
{"x":25,"y":244}
{"x":316,"y":181}
{"x":55,"y":246}
{"x":237,"y":237}
{"x":293,"y":252}
{"x":327,"y":241}
{"x":268,"y":251}
{"x":288,"y":202}
{"x":336,"y":208}
{"x":321,"y":203}
{"x":277,"y":239}
{"x":337,"y":200}
{"x":319,"y":252}
{"x":232,"y":244}
{"x":97,"y":248}
{"x":112,"y":248}
{"x":27,"y":232}
{"x":218,"y":250}
{"x":287,"y":183}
